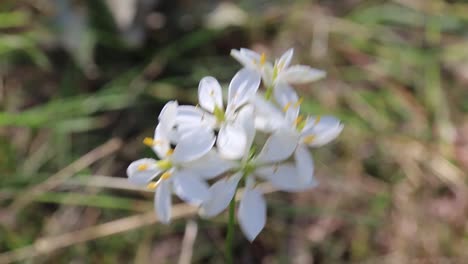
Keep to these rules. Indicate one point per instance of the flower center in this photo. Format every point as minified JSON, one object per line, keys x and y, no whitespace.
{"x":164,"y":164}
{"x":219,"y":114}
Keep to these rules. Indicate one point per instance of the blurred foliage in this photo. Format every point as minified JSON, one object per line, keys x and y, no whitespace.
{"x":76,"y":73}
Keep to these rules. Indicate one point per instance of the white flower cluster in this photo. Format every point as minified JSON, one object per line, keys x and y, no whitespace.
{"x":254,"y":137}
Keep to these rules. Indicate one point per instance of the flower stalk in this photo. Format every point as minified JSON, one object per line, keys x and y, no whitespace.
{"x":230,"y":230}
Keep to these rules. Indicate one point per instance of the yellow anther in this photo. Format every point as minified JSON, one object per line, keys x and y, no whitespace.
{"x":148,"y":141}
{"x":166,"y":175}
{"x":152,"y":185}
{"x":299,"y":102}
{"x":298,"y":120}
{"x":262,"y":58}
{"x":309,"y":139}
{"x":151,"y":142}
{"x":317,"y":120}
{"x":169,"y":152}
{"x":142,"y":167}
{"x":286,"y":107}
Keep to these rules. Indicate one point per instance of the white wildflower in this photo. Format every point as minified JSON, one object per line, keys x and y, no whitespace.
{"x":266,"y":165}
{"x":181,"y":170}
{"x":213,"y":115}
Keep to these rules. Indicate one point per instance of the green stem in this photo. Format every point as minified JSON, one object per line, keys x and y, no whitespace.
{"x":269,"y":93}
{"x":230,"y":230}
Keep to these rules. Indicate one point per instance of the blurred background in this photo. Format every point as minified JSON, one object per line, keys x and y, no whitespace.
{"x":82,"y":83}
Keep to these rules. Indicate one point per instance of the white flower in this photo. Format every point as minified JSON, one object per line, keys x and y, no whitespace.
{"x":181,"y":170}
{"x":268,"y":117}
{"x":266,"y":166}
{"x":280,"y":71}
{"x":213,"y":115}
{"x":309,"y":132}
{"x":185,"y":136}
{"x":250,"y":59}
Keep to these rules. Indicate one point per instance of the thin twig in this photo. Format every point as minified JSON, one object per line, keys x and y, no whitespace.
{"x":186,"y":253}
{"x":103,"y":181}
{"x":55,"y":180}
{"x":49,"y":244}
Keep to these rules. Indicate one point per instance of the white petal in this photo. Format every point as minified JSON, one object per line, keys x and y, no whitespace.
{"x":210,"y":94}
{"x":243,"y":59}
{"x":278,"y":147}
{"x":210,"y":165}
{"x":288,"y":100}
{"x":231,"y":142}
{"x":221,"y":194}
{"x":304,"y":164}
{"x":254,"y":56}
{"x":246,"y":120}
{"x":242,"y":89}
{"x":142,"y":171}
{"x":189,"y":187}
{"x":323,"y":130}
{"x":162,"y":142}
{"x":268,"y":117}
{"x":285,"y":59}
{"x":252,"y":213}
{"x":283,"y":177}
{"x":300,"y":74}
{"x":193,"y":145}
{"x":163,"y":201}
{"x":191,"y":116}
{"x":168,"y":115}
{"x":267,"y":74}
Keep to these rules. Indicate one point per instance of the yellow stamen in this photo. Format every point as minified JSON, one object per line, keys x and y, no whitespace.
{"x":299,"y":102}
{"x":262,"y":59}
{"x":152,"y":185}
{"x":148,"y":141}
{"x":298,"y":120}
{"x":309,"y":139}
{"x":169,"y":152}
{"x":286,"y":107}
{"x":151,"y":142}
{"x":317,"y":120}
{"x":142,"y":167}
{"x":166,"y":175}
